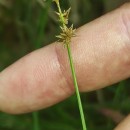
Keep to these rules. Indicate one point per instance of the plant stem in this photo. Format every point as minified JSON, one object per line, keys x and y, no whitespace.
{"x":119,"y":91}
{"x":36,"y":125}
{"x":43,"y":19}
{"x":76,"y":87}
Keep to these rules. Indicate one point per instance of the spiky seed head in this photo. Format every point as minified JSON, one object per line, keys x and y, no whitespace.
{"x":66,"y":34}
{"x":66,"y":15}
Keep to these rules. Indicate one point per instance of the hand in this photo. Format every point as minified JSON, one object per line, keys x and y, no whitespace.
{"x":101,"y":53}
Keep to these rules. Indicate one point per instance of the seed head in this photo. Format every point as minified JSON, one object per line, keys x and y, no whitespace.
{"x":66,"y":34}
{"x":65,"y":15}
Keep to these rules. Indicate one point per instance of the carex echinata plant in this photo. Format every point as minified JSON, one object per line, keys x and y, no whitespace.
{"x":65,"y":37}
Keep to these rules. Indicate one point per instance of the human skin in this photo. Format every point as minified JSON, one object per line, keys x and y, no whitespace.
{"x":101,"y":54}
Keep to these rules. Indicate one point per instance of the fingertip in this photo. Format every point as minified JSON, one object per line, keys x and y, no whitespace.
{"x":124,"y":125}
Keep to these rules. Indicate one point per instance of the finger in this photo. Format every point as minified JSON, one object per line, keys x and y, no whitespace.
{"x":125,"y":125}
{"x":101,"y":57}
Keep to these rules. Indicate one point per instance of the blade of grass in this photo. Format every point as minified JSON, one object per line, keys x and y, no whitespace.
{"x":100,"y":97}
{"x":36,"y":124}
{"x":41,"y":25}
{"x":76,"y":87}
{"x":66,"y":35}
{"x":29,"y":10}
{"x":119,"y":91}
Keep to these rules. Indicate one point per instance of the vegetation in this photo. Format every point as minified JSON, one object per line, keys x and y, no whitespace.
{"x":25,"y":25}
{"x":65,"y":37}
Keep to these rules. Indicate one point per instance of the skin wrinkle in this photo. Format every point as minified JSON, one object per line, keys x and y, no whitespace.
{"x":125,"y":21}
{"x":50,"y":92}
{"x":61,"y":54}
{"x":43,"y":82}
{"x":61,"y":89}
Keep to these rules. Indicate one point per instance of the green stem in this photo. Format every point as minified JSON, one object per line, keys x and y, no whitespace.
{"x":36,"y":125}
{"x":43,"y":19}
{"x":76,"y":88}
{"x":61,"y":15}
{"x":119,"y":91}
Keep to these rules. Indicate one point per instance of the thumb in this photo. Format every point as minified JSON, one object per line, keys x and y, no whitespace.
{"x":124,"y":125}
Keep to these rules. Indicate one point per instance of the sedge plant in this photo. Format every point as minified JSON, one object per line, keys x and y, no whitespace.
{"x":65,"y":37}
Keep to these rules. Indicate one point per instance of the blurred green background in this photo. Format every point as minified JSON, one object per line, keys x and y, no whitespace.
{"x":25,"y":25}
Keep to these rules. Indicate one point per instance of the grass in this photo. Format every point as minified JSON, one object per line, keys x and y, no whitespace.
{"x":65,"y":36}
{"x":76,"y":89}
{"x":36,"y":121}
{"x":26,"y":26}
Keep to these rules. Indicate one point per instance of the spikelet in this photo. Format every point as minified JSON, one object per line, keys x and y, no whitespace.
{"x":67,"y":32}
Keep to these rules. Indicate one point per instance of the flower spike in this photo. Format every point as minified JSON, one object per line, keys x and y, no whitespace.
{"x":65,"y":37}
